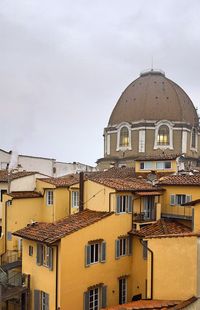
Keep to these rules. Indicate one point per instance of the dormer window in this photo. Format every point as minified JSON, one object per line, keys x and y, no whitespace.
{"x":124,"y":137}
{"x":163,"y":135}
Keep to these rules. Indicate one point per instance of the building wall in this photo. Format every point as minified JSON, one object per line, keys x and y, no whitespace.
{"x":171,"y":170}
{"x":73,"y":268}
{"x":175,"y":268}
{"x":27,"y":183}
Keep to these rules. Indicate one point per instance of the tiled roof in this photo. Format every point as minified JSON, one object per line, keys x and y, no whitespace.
{"x":149,"y":193}
{"x":133,"y":184}
{"x":115,"y":172}
{"x":146,"y":304}
{"x":25,"y":194}
{"x":162,"y":227}
{"x":157,"y":157}
{"x":66,"y":181}
{"x":15,"y":175}
{"x":52,"y":232}
{"x":180,"y":180}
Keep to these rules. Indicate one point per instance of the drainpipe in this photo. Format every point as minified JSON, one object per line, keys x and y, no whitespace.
{"x":152,"y":271}
{"x":81,"y":188}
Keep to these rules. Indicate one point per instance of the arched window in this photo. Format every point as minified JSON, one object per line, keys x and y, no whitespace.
{"x":163,"y":135}
{"x":124,"y":137}
{"x":193,"y":142}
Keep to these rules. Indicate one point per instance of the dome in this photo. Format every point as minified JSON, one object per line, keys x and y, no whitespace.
{"x":153,"y":97}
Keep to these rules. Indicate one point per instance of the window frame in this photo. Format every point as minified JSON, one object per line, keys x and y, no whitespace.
{"x":75,"y":198}
{"x":170,"y":141}
{"x":95,"y":252}
{"x":123,"y":290}
{"x":164,"y":165}
{"x":124,"y":203}
{"x":123,"y":247}
{"x":49,"y":197}
{"x":175,"y":197}
{"x":119,"y":147}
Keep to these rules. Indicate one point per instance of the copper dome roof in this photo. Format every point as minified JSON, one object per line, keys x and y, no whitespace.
{"x":153,"y":97}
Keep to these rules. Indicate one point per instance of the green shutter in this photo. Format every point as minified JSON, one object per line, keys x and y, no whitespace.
{"x":50,"y":260}
{"x":86,"y":301}
{"x":172,"y":200}
{"x":104,"y":296}
{"x":130,"y":201}
{"x":118,"y":204}
{"x":103,"y":252}
{"x":87,"y":256}
{"x":39,"y":254}
{"x":117,"y":248}
{"x":46,"y":301}
{"x":37,"y":300}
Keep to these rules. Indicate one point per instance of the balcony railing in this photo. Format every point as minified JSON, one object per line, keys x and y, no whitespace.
{"x":177,"y":211}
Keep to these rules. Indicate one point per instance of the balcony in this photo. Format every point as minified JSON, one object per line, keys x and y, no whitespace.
{"x":177,"y":212}
{"x":11,"y":260}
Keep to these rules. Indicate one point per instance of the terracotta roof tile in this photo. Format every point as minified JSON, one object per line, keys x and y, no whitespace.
{"x":25,"y":194}
{"x":157,"y":157}
{"x":115,"y":172}
{"x":14,"y":175}
{"x":66,"y":181}
{"x":146,"y":304}
{"x":52,"y":232}
{"x":162,"y":227}
{"x":180,"y":180}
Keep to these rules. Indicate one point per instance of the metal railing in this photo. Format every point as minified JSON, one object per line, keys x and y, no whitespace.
{"x":10,"y":257}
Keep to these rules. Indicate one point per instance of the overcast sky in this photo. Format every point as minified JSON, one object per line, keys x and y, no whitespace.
{"x":64,"y":64}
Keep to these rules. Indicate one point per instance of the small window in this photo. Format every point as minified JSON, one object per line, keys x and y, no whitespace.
{"x":49,"y":198}
{"x":179,"y":199}
{"x":163,"y":135}
{"x":41,"y":300}
{"x":75,"y":199}
{"x":147,"y":165}
{"x":145,"y":251}
{"x":44,"y":301}
{"x":95,"y":298}
{"x":123,"y":247}
{"x":124,"y":137}
{"x":44,"y":256}
{"x":124,"y":204}
{"x":95,"y":252}
{"x":8,"y":203}
{"x":122,"y":291}
{"x":30,"y":250}
{"x":163,"y":165}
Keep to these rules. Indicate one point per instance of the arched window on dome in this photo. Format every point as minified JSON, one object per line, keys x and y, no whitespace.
{"x":194,"y":138}
{"x":124,"y":137}
{"x":163,"y":135}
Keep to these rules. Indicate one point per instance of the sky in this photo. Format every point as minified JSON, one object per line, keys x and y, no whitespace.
{"x":64,"y":64}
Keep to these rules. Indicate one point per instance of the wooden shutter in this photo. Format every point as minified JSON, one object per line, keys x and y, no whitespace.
{"x":104,"y":296}
{"x":172,"y":200}
{"x":103,"y":252}
{"x":86,"y":300}
{"x":145,"y":250}
{"x":37,"y":299}
{"x":87,"y":256}
{"x":130,"y":201}
{"x":39,"y":254}
{"x":118,"y":204}
{"x":50,"y":260}
{"x":188,"y":198}
{"x":117,"y":248}
{"x":129,"y":241}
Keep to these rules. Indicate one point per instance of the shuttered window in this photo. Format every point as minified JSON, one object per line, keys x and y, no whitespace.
{"x":179,"y":199}
{"x":94,"y":253}
{"x":95,"y":298}
{"x":123,"y":246}
{"x":49,"y":198}
{"x":75,"y":199}
{"x":44,"y":256}
{"x":124,"y":204}
{"x":122,"y":291}
{"x":41,"y":300}
{"x":145,"y":251}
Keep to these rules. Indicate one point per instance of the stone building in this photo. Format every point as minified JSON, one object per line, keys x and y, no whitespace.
{"x":153,"y":117}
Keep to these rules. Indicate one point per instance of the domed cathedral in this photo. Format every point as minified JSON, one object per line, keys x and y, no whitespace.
{"x":153,"y":118}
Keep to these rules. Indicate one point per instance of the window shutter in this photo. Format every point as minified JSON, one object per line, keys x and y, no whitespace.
{"x":104,"y":296}
{"x":145,"y":249}
{"x":103,"y":252}
{"x":39,"y":254}
{"x":117,"y":248}
{"x":46,"y":301}
{"x":129,"y":241}
{"x":86,"y":301}
{"x":9,"y":236}
{"x":192,"y":219}
{"x":172,"y":200}
{"x":130,"y":201}
{"x":87,"y":256}
{"x":188,"y":198}
{"x":50,"y":260}
{"x":37,"y":300}
{"x":118,"y":204}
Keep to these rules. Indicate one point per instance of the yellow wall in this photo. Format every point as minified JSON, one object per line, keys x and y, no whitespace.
{"x":175,"y":189}
{"x":173,"y":167}
{"x":196,"y":217}
{"x":175,"y":267}
{"x":76,"y":278}
{"x":41,"y":278}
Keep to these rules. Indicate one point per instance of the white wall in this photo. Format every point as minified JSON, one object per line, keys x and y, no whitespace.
{"x":27,"y":183}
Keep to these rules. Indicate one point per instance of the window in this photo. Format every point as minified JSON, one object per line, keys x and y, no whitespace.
{"x":122,"y":291}
{"x":124,"y":137}
{"x":44,"y":256}
{"x":8,"y":203}
{"x":163,"y":165}
{"x":123,"y":247}
{"x":30,"y":250}
{"x":163,"y":135}
{"x":193,"y":138}
{"x":75,"y":199}
{"x":124,"y":204}
{"x":147,"y":165}
{"x":145,"y":251}
{"x":49,"y":198}
{"x":179,"y":199}
{"x":95,"y":298}
{"x":41,"y":300}
{"x":95,"y":252}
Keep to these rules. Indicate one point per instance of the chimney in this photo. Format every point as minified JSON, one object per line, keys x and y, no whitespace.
{"x":81,"y":191}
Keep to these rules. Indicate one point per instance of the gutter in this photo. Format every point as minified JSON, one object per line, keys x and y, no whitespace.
{"x":152,"y":270}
